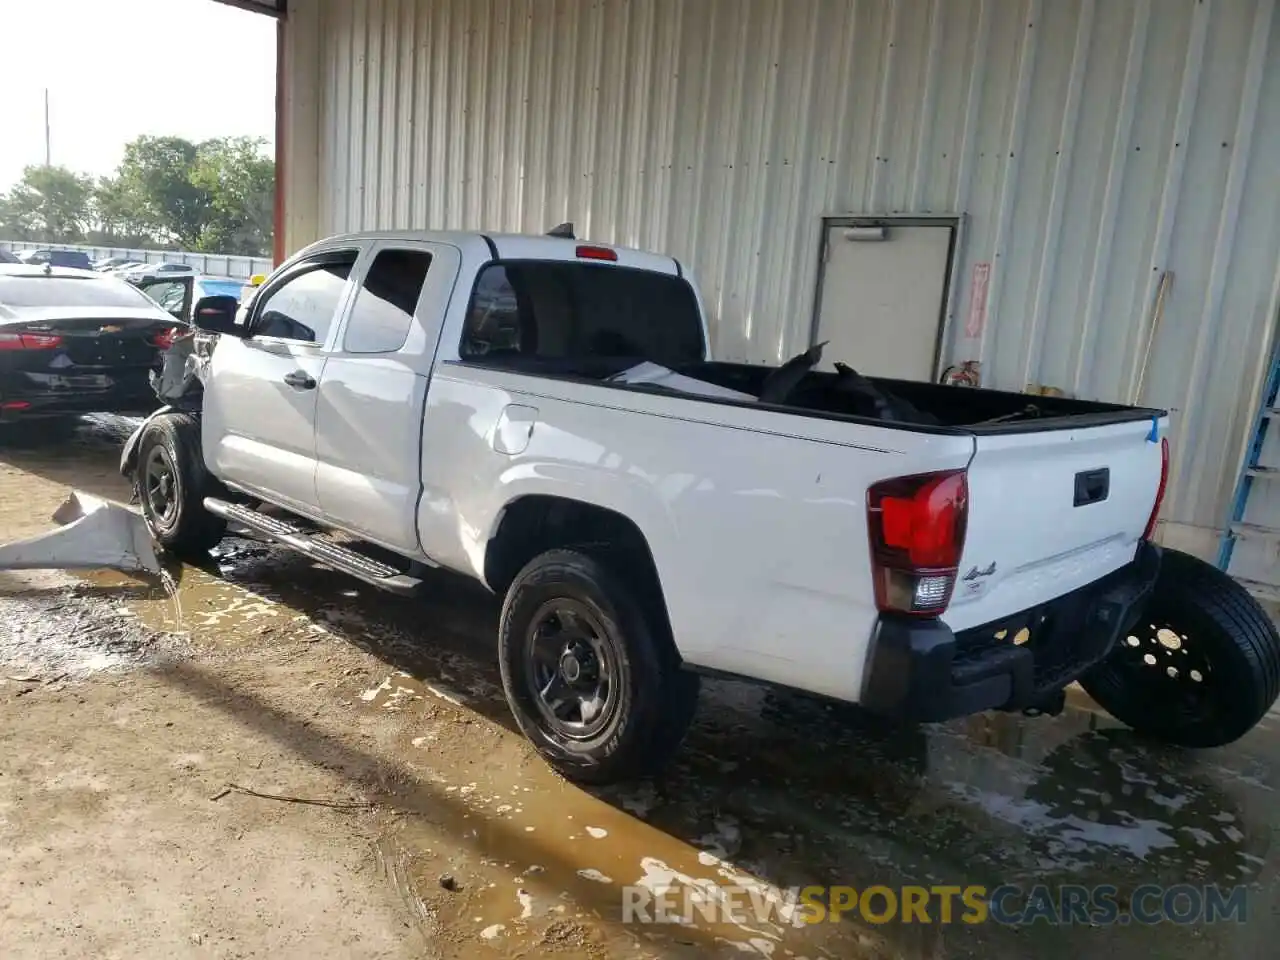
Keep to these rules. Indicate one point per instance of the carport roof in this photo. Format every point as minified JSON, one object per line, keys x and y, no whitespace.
{"x":273,"y":8}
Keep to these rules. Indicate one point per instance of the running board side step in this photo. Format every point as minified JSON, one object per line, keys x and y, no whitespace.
{"x":318,"y":548}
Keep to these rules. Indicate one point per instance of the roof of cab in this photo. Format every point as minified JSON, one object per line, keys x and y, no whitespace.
{"x":513,"y":246}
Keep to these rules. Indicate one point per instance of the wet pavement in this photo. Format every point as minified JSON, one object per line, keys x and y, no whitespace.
{"x":771,"y":793}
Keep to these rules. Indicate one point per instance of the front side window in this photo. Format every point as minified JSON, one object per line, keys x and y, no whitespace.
{"x":566,"y":311}
{"x":383,"y":309}
{"x":303,"y":308}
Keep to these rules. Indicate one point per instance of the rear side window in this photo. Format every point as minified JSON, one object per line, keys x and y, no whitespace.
{"x":383,"y":311}
{"x":565,"y":311}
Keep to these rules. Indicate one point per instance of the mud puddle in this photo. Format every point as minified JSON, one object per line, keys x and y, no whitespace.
{"x":771,"y":793}
{"x":66,"y":633}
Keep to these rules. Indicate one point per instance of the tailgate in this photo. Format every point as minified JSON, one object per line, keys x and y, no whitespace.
{"x":1049,"y":512}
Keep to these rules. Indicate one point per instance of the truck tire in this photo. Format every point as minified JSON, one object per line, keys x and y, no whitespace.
{"x":171,"y":483}
{"x":1202,"y":665}
{"x":589,"y":670}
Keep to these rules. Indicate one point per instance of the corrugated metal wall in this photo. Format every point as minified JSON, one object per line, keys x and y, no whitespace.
{"x":1092,"y":145}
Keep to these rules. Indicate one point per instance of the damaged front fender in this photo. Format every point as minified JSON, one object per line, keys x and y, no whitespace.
{"x":179,"y":383}
{"x":96,"y":534}
{"x":129,"y":455}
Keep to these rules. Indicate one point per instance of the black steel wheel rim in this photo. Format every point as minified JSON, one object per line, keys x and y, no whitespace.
{"x":1171,"y":667}
{"x":571,"y":666}
{"x":160,"y":480}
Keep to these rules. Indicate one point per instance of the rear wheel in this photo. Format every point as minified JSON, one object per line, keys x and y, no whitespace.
{"x":1202,"y":665}
{"x":589,"y":670}
{"x":171,"y":483}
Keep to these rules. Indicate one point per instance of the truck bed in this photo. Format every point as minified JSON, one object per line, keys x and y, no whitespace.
{"x":926,"y":406}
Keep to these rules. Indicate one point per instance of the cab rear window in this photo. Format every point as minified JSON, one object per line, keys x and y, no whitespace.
{"x":547,"y":310}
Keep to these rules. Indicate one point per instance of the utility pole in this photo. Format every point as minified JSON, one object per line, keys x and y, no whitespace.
{"x":48,"y":149}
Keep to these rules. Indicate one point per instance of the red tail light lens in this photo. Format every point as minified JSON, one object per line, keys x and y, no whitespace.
{"x":597,"y":253}
{"x":1164,"y":483}
{"x":917,"y":529}
{"x":164,"y":339}
{"x":29,"y":341}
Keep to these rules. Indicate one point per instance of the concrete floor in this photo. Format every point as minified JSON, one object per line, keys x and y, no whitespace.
{"x":397,"y":704}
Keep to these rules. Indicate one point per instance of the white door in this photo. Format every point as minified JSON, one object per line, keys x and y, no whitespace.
{"x":371,"y":397}
{"x":259,"y":418}
{"x":883,"y":289}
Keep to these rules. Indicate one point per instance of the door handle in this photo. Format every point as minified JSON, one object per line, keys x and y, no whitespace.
{"x":300,"y":380}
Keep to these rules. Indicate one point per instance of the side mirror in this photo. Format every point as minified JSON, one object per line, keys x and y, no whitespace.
{"x":217,"y":315}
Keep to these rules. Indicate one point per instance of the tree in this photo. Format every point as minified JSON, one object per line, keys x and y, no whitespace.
{"x":49,"y":204}
{"x":157,"y":170}
{"x":240,"y":180}
{"x":120,"y":215}
{"x":217,"y":196}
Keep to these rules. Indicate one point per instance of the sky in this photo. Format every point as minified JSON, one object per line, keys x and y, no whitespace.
{"x":116,"y":69}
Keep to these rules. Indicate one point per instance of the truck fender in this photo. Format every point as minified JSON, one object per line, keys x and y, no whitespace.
{"x":129,"y":455}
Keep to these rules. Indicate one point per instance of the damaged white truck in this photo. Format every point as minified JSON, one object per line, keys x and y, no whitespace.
{"x":543,"y":414}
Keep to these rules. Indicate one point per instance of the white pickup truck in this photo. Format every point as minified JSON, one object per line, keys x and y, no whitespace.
{"x":541,"y":413}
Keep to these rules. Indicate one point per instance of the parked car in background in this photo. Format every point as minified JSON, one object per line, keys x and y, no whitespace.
{"x":145,"y":270}
{"x":176,"y":295}
{"x":76,"y":259}
{"x":7,"y":257}
{"x":111,"y":263}
{"x":127,"y":265}
{"x":75,"y":341}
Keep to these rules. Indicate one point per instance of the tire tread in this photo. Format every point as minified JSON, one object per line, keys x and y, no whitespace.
{"x":1247,"y":647}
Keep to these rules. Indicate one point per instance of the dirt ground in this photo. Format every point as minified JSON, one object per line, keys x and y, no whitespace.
{"x":274,"y":761}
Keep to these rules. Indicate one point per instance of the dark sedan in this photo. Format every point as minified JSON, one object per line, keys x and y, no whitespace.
{"x":75,"y":341}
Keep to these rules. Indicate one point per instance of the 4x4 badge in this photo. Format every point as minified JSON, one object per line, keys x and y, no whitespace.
{"x":976,"y":574}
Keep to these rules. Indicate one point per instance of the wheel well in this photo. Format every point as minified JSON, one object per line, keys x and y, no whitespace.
{"x":533,"y":525}
{"x":536,"y":524}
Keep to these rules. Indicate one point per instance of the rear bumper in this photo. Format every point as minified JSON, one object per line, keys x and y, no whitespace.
{"x":919,"y":670}
{"x":129,"y":393}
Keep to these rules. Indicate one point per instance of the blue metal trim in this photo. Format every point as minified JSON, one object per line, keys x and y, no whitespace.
{"x":1244,"y":484}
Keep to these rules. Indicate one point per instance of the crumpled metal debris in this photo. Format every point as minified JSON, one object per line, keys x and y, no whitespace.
{"x":183,"y":368}
{"x":96,"y":534}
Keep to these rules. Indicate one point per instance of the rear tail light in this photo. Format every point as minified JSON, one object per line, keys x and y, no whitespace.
{"x":29,"y":341}
{"x":1164,"y":483}
{"x":917,"y":527}
{"x":597,"y":253}
{"x":164,"y":339}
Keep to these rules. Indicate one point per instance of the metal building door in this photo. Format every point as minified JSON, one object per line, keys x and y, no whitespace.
{"x":882,"y":296}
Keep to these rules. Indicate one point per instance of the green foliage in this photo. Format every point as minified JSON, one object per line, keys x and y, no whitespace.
{"x":240,"y":182}
{"x":216,"y":196}
{"x":49,"y":203}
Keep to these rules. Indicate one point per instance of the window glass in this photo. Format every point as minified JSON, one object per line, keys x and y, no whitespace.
{"x":303,"y":307}
{"x":56,"y":291}
{"x":572,"y":311}
{"x":169,"y":294}
{"x":384,"y":306}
